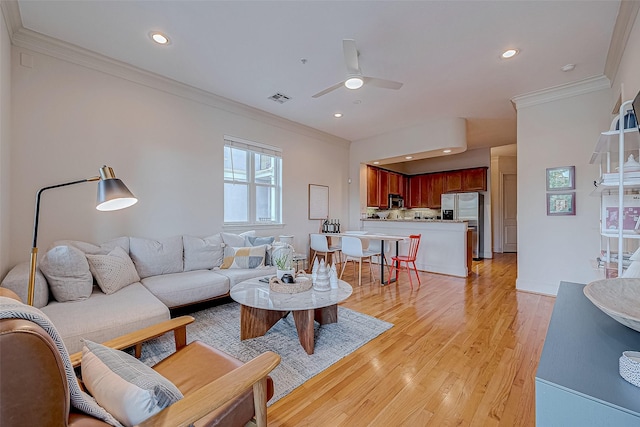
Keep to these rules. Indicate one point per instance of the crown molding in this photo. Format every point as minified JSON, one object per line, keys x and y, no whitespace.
{"x":555,"y":93}
{"x":12,"y":18}
{"x":625,"y":20}
{"x":40,"y":43}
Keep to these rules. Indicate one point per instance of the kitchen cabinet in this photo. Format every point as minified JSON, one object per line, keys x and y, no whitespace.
{"x":431,"y":195}
{"x":415,"y":191}
{"x":372,"y":187}
{"x":612,"y":153}
{"x":474,"y":179}
{"x":394,"y":183}
{"x":383,"y":189}
{"x":452,"y":181}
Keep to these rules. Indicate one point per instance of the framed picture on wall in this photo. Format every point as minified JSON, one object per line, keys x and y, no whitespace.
{"x":561,"y":179}
{"x":561,"y":203}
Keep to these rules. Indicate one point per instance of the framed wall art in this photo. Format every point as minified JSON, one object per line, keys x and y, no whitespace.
{"x":318,"y":201}
{"x":561,"y":203}
{"x":561,"y":179}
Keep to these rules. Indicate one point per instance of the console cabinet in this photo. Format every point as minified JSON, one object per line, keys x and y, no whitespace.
{"x":577,"y":381}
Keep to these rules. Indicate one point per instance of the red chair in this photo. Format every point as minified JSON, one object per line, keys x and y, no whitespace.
{"x":396,"y":261}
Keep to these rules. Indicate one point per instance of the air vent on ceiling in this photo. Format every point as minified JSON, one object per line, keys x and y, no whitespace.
{"x":279,"y":98}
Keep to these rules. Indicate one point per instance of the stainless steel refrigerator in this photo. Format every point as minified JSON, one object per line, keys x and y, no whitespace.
{"x":467,"y":207}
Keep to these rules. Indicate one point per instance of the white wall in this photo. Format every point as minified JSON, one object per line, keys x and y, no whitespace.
{"x":69,"y":120}
{"x":5,"y":135}
{"x":558,"y":133}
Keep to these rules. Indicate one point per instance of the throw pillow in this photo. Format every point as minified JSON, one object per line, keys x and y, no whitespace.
{"x":124,"y":386}
{"x":67,"y":271}
{"x":202,"y":254}
{"x":17,"y":280}
{"x":113,"y":271}
{"x":257,"y":241}
{"x":156,"y":257}
{"x":236,"y":240}
{"x":244,"y":257}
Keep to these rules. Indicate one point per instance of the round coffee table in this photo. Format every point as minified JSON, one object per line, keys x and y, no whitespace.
{"x":261,"y":308}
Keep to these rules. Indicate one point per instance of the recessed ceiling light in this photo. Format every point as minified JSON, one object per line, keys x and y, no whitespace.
{"x":447,"y":151}
{"x":376,"y":163}
{"x":409,"y":157}
{"x":337,"y":115}
{"x":510,"y":53}
{"x":159,"y":38}
{"x":568,"y":67}
{"x":354,"y":82}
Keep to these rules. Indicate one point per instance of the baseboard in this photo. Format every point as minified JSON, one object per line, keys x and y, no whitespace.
{"x":537,"y":287}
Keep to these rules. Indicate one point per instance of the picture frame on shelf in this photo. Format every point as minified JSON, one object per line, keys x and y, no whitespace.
{"x":561,"y":178}
{"x":561,"y":203}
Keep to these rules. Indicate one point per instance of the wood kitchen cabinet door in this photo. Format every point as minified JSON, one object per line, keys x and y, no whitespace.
{"x":383,"y":189}
{"x":394,"y":183}
{"x":434,"y":183}
{"x":372,"y":187}
{"x":474,"y":179}
{"x":415,"y":195}
{"x":452,"y":181}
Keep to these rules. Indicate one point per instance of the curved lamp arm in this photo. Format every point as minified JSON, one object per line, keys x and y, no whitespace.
{"x":112,"y":195}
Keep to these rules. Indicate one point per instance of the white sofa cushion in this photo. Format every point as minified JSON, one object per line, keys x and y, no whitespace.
{"x":179,"y":289}
{"x":202,"y":253}
{"x":67,"y":272}
{"x":237,"y":275}
{"x":155,"y":257}
{"x":103,"y":317}
{"x":113,"y":271}
{"x":18,"y":279}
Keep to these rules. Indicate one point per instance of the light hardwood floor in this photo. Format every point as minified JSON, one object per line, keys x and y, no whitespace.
{"x":462,"y":352}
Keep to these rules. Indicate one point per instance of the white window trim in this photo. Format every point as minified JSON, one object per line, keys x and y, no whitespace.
{"x":256,"y":147}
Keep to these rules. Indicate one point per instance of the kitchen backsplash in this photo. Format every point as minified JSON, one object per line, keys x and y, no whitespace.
{"x":405,"y":213}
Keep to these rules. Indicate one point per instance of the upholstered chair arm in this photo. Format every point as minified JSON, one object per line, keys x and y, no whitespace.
{"x":215,"y":394}
{"x":136,"y":338}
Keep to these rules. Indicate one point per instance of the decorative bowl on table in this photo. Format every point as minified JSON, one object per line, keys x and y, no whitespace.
{"x":619,"y":298}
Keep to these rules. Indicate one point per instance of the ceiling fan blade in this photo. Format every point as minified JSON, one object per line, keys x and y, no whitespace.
{"x":326,"y":91}
{"x":386,"y":84}
{"x":351,"y":56}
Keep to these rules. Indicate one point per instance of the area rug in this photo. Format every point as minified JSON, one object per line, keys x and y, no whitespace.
{"x":220,"y":328}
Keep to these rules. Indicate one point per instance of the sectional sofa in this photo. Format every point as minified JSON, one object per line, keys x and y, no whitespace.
{"x":99,"y":292}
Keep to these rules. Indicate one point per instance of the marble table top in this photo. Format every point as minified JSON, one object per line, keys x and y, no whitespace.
{"x":254,"y":293}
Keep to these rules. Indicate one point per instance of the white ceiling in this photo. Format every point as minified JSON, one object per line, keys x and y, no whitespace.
{"x":445,"y":52}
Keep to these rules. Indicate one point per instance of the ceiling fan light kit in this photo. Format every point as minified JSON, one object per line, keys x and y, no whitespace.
{"x":355,"y":79}
{"x":354,"y":82}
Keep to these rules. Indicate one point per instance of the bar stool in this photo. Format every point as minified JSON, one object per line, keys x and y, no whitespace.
{"x":320,"y":246}
{"x":352,"y":248}
{"x":414,"y":242}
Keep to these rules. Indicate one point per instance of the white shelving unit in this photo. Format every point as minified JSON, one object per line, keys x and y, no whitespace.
{"x":612,"y":151}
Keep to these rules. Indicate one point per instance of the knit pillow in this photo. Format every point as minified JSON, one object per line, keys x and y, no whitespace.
{"x":244,"y":257}
{"x":113,"y":271}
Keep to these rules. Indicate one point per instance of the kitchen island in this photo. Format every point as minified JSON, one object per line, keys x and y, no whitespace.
{"x":443,"y":246}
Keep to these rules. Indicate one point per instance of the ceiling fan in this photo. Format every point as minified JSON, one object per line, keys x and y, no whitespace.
{"x":355,"y":79}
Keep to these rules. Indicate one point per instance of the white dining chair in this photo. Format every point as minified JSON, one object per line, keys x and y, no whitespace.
{"x":353,"y":248}
{"x":320,"y":246}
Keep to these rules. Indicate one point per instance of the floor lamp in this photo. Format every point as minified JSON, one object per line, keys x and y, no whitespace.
{"x":112,"y":195}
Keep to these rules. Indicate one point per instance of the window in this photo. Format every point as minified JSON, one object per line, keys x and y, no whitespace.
{"x":252,"y":183}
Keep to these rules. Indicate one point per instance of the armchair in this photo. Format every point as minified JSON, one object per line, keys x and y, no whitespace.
{"x":218,"y":389}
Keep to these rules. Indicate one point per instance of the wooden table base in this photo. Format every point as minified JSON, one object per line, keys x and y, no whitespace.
{"x":255,"y":322}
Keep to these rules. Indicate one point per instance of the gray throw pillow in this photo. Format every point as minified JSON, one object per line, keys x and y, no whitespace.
{"x":17,"y":280}
{"x":202,"y":253}
{"x":67,"y":271}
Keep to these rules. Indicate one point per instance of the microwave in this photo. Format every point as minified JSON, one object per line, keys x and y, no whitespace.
{"x":396,"y":201}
